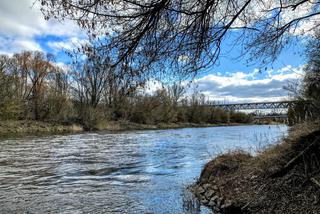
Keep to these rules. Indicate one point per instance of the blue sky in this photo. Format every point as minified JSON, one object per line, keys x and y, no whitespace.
{"x":23,"y":28}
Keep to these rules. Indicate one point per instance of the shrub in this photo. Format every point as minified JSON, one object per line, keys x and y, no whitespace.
{"x":11,"y":110}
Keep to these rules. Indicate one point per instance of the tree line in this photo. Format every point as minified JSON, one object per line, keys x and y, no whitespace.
{"x":307,"y":91}
{"x":88,"y":91}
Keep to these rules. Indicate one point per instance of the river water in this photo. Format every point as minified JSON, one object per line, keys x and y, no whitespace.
{"x":127,"y":172}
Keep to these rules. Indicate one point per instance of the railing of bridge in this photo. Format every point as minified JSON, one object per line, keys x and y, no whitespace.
{"x":257,"y":105}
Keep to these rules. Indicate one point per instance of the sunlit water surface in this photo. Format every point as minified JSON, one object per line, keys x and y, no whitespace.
{"x":128,"y":172}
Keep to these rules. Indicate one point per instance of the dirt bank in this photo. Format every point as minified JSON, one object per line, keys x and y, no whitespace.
{"x":282,"y":179}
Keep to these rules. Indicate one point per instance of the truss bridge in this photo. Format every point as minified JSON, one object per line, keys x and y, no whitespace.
{"x":255,"y":106}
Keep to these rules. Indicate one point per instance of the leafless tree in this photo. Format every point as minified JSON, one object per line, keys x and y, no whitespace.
{"x":24,"y":79}
{"x":8,"y":88}
{"x":176,"y":91}
{"x":186,"y":35}
{"x":90,"y":77}
{"x":98,"y":80}
{"x":311,"y":81}
{"x":37,"y":66}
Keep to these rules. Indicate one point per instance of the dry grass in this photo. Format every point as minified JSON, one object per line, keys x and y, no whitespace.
{"x":27,"y":127}
{"x":283,"y":178}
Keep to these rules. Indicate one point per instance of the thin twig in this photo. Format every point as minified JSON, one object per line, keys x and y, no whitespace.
{"x":315,"y":182}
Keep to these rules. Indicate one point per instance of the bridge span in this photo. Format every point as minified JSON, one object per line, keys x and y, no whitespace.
{"x":253,"y":106}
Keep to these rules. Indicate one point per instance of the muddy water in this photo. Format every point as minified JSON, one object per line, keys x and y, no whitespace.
{"x":128,"y":172}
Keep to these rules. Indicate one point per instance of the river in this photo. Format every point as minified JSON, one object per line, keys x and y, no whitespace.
{"x":127,"y":172}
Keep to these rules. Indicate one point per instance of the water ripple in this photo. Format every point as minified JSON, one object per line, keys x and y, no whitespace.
{"x":129,"y":172}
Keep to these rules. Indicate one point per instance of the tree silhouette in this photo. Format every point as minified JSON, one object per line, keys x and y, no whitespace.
{"x":184,"y":36}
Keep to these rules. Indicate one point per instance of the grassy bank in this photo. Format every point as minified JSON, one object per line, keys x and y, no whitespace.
{"x":31,"y":127}
{"x":284,"y":178}
{"x":125,"y":125}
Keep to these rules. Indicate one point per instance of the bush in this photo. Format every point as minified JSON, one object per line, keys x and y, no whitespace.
{"x":240,"y":117}
{"x":90,"y":117}
{"x":11,"y":110}
{"x":139,"y":117}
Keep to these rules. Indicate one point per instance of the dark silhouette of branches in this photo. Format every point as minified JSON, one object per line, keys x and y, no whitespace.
{"x":185,"y":35}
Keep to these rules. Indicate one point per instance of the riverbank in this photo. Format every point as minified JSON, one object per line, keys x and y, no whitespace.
{"x":284,"y":178}
{"x":31,"y":127}
{"x":114,"y":126}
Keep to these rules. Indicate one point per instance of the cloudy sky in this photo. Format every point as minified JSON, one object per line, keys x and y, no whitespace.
{"x":23,"y":28}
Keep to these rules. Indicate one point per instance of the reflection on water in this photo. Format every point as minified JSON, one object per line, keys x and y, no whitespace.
{"x":130,"y":172}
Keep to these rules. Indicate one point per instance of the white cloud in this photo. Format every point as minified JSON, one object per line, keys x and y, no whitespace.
{"x":22,"y":21}
{"x":248,"y":87}
{"x":67,"y":44}
{"x":151,"y":86}
{"x":239,"y":86}
{"x":260,"y":10}
{"x":27,"y":45}
{"x":13,"y":45}
{"x":24,"y":18}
